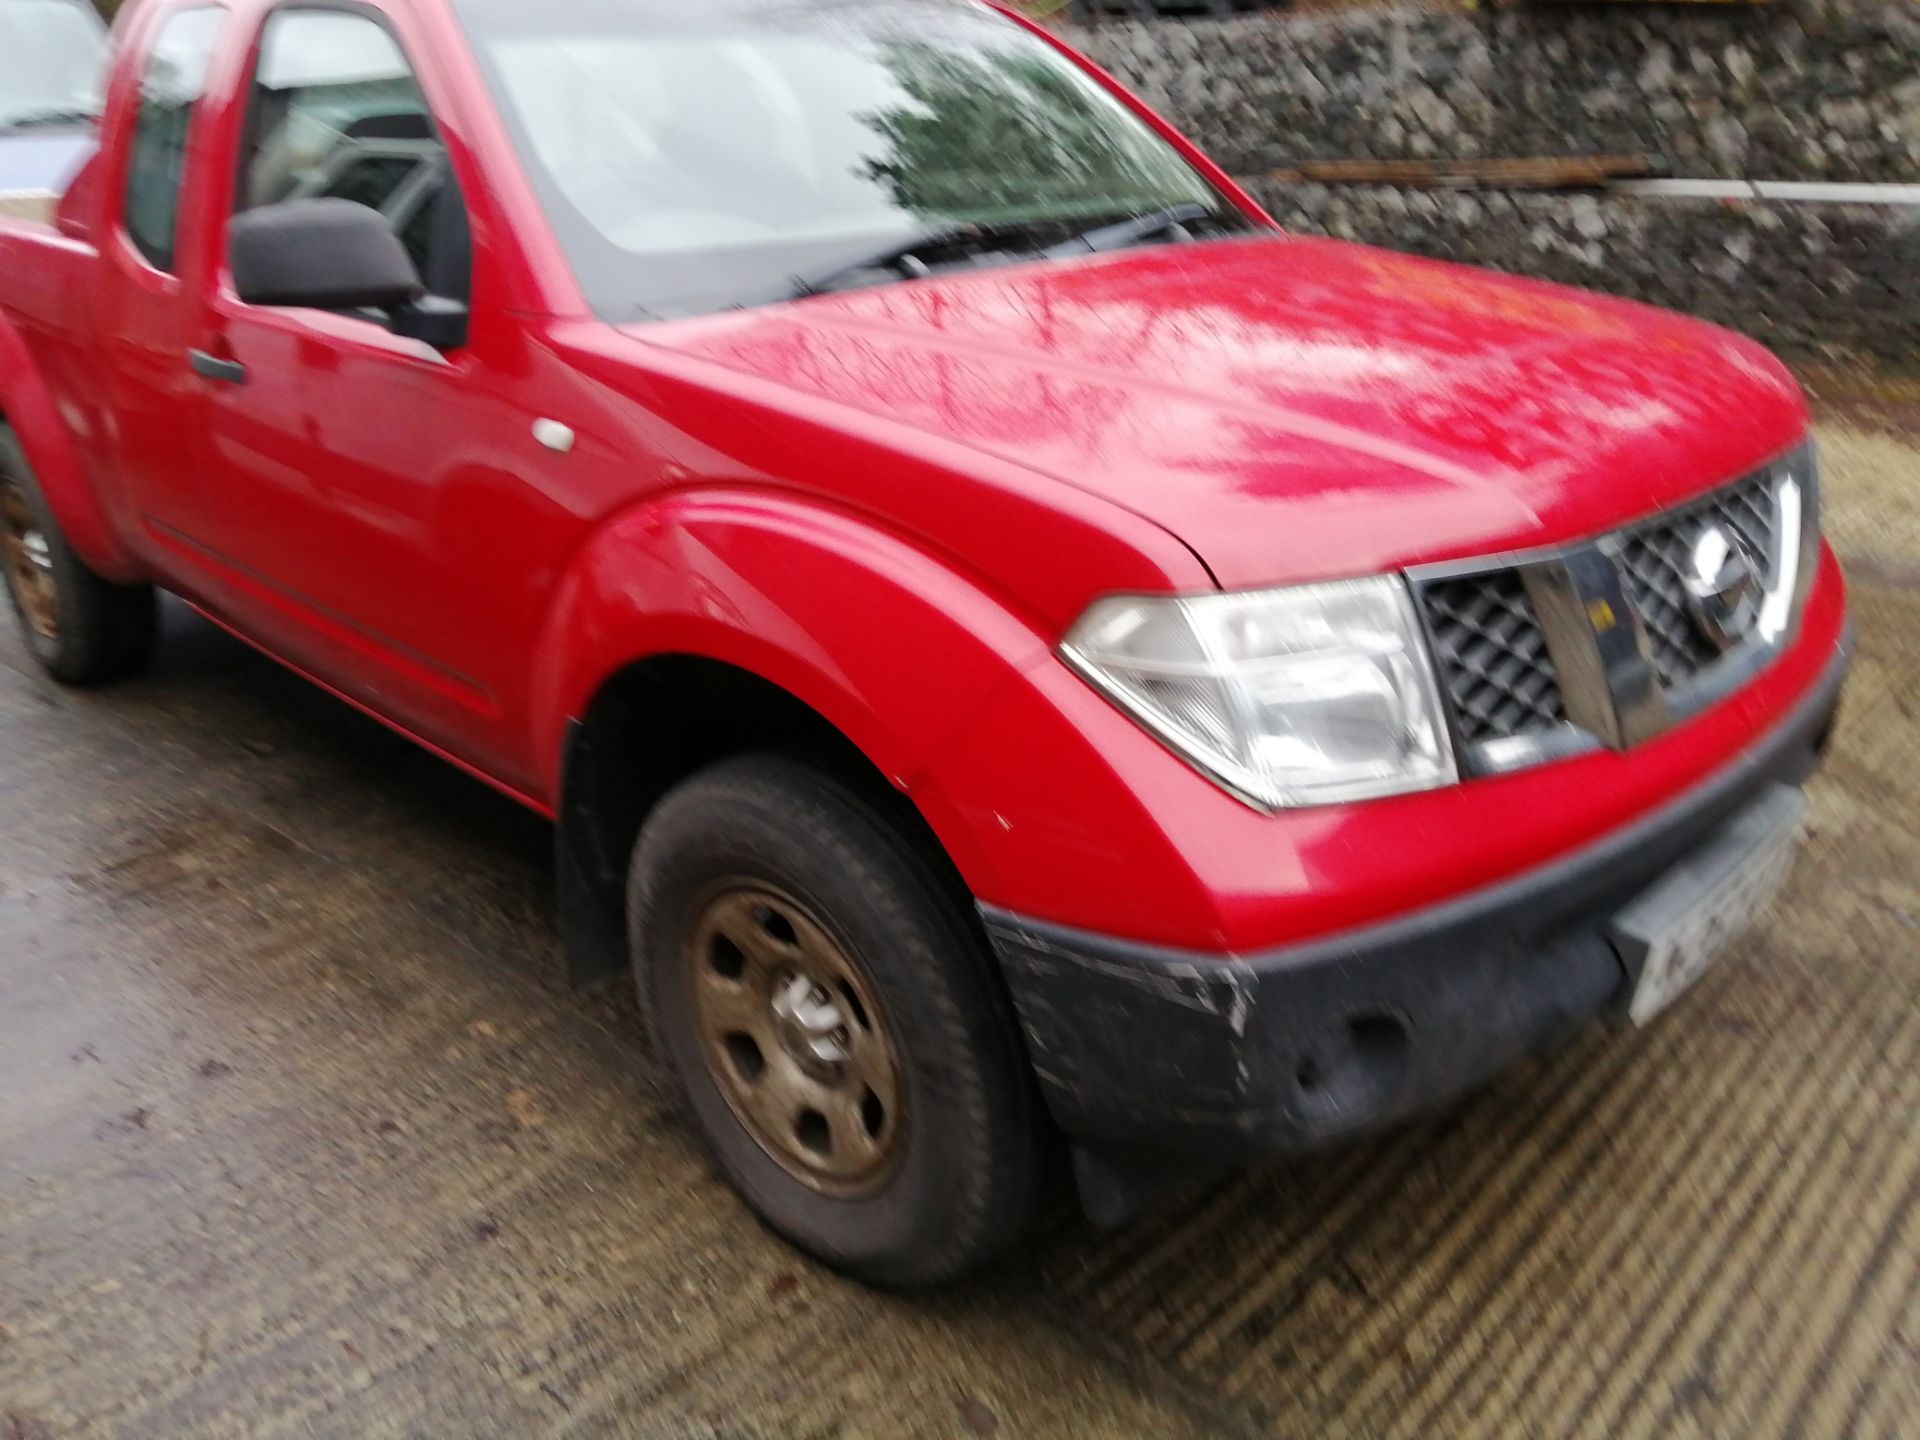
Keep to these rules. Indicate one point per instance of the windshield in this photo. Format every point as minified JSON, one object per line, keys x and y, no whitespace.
{"x":51,"y":58}
{"x":697,"y":157}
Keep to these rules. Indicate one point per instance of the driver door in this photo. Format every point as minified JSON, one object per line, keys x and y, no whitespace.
{"x":352,"y":491}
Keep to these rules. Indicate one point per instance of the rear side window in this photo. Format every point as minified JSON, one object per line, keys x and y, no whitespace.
{"x":336,"y":112}
{"x":171,"y":85}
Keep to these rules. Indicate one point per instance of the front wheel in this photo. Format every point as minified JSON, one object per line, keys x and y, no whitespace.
{"x":83,"y":629}
{"x":834,"y":1024}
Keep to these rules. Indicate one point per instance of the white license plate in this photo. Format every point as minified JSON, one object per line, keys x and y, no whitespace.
{"x":1671,"y":934}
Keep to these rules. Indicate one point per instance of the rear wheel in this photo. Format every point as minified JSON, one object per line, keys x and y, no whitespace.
{"x":834,"y":1024}
{"x":84,"y":630}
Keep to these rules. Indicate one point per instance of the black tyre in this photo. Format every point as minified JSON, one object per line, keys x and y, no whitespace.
{"x":82,"y":629}
{"x":835,"y":1026}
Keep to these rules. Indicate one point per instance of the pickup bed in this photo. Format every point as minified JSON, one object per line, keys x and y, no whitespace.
{"x":27,"y":205}
{"x":1024,"y":659}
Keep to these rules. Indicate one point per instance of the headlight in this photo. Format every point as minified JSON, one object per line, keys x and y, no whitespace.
{"x":1303,"y":696}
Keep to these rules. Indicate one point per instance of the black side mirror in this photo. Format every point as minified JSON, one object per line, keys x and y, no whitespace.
{"x":328,"y":254}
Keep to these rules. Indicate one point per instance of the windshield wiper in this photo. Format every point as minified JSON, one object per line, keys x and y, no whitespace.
{"x":45,"y":119}
{"x":902,"y":256}
{"x":1174,"y":218}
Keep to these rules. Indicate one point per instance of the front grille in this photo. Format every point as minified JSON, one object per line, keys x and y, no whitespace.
{"x":1493,"y":656}
{"x":1491,"y":649}
{"x":1654,"y":563}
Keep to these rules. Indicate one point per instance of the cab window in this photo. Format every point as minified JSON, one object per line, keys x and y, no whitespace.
{"x":172,"y":83}
{"x":336,"y":111}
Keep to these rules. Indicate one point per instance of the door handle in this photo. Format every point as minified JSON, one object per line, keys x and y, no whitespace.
{"x":212,"y":367}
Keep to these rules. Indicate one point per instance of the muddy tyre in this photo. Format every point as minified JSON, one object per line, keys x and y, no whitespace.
{"x":84,"y":630}
{"x":836,"y":1029}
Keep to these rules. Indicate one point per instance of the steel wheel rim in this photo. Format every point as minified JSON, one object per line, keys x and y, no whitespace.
{"x":29,"y":562}
{"x":795,"y":1040}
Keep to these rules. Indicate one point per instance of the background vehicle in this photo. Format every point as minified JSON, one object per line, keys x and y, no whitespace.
{"x":52,"y":53}
{"x":1008,"y":639}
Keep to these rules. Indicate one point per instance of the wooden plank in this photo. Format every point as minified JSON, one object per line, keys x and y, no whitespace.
{"x":1550,"y":172}
{"x":26,"y":205}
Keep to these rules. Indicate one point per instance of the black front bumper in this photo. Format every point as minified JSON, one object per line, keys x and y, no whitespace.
{"x":1157,"y":1058}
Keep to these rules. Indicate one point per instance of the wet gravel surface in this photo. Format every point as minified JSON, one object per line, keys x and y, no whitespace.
{"x":301,"y":1133}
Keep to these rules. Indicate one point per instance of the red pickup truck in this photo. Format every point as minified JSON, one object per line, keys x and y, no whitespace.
{"x":1027,"y":662}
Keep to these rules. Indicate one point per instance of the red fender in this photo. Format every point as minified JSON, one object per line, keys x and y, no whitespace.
{"x":894,"y":649}
{"x":28,"y":409}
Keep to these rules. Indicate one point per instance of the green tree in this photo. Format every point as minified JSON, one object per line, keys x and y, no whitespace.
{"x":989,"y":129}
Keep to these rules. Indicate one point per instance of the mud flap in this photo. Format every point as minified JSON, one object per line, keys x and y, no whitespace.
{"x":593,"y":919}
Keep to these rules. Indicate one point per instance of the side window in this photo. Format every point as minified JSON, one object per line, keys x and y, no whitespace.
{"x":171,"y":85}
{"x":336,"y":111}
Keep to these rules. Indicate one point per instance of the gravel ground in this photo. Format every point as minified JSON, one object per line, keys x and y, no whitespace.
{"x":301,"y":1134}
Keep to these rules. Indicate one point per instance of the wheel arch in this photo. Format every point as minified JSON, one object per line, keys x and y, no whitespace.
{"x":28,"y":412}
{"x":662,"y":719}
{"x":709,"y":623}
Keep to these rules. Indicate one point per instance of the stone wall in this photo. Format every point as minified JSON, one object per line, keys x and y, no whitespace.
{"x":1798,"y":90}
{"x":1792,"y":90}
{"x":1811,"y":280}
